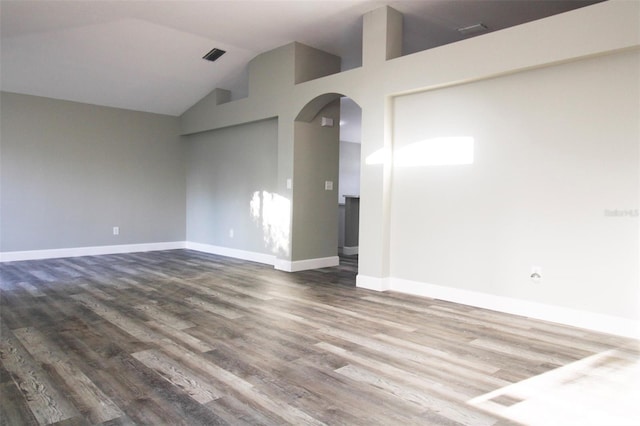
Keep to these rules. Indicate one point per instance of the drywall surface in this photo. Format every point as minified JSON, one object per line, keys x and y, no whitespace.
{"x":315,"y":209}
{"x":231,"y":188}
{"x":553,"y":184}
{"x":383,"y":76}
{"x":349,"y":170}
{"x":72,"y":171}
{"x":311,"y":63}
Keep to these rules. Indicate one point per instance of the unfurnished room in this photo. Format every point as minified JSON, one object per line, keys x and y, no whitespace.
{"x":356,"y":212}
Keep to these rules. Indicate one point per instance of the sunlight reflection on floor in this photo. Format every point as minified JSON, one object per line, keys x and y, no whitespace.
{"x":603,"y":389}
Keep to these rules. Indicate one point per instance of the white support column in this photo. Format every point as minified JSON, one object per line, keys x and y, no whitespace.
{"x":382,"y":41}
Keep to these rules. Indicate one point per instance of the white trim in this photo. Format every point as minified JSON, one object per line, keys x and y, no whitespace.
{"x":562,"y":315}
{"x":268,"y":259}
{"x":252,"y":256}
{"x":350,"y":251}
{"x":13,"y":256}
{"x":372,"y":283}
{"x":303,"y":265}
{"x":282,"y":265}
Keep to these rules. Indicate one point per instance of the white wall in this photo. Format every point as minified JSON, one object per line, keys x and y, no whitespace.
{"x":555,"y":149}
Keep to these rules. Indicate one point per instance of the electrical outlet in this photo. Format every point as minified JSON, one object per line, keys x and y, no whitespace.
{"x":328,"y":185}
{"x":536,"y":274}
{"x":231,"y":233}
{"x":116,"y":230}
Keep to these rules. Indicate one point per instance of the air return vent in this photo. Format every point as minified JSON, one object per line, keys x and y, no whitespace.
{"x":214,"y":54}
{"x":473,"y":29}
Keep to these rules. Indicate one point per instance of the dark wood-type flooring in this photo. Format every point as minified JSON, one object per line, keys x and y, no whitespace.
{"x":181,"y":337}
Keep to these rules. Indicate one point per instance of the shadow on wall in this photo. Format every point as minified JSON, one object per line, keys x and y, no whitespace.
{"x":272,"y":212}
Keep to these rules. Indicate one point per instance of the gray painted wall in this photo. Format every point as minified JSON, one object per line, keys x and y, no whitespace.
{"x":71,"y":172}
{"x":349,"y":178}
{"x":231,"y":178}
{"x":349,"y":169}
{"x":315,"y":210}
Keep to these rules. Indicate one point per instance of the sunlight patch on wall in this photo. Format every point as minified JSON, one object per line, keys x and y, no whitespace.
{"x":381,"y":156}
{"x":273,"y":213}
{"x":443,"y":151}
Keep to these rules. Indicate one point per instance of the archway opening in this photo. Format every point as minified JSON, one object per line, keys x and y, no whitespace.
{"x":326,"y":186}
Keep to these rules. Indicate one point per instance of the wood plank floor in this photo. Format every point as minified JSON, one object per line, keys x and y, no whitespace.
{"x":181,"y":337}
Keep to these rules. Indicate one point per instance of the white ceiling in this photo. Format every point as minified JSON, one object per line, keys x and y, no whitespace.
{"x":147,"y":55}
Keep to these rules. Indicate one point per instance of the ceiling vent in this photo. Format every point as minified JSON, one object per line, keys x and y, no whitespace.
{"x":473,"y":29}
{"x":214,"y":54}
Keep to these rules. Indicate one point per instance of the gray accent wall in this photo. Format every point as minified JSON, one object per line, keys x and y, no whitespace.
{"x":231,"y":182}
{"x":315,"y":209}
{"x":349,"y":169}
{"x":70,"y":172}
{"x":349,"y":179}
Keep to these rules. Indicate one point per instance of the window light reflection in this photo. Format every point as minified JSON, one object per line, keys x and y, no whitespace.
{"x":273,"y":213}
{"x":442,"y":151}
{"x":380,"y":156}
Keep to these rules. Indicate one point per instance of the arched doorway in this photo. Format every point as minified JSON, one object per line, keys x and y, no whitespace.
{"x":326,"y":178}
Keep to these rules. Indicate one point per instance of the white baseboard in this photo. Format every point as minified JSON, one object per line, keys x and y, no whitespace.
{"x":562,"y":315}
{"x":13,"y":256}
{"x":303,"y":265}
{"x":349,"y":251}
{"x":372,"y":283}
{"x":268,"y":259}
{"x":251,"y":256}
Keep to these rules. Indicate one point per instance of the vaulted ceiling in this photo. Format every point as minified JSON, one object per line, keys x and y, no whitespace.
{"x":147,"y":55}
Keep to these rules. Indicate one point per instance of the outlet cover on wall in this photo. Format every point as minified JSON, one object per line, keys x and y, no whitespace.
{"x":116,"y":230}
{"x":536,"y":274}
{"x":328,"y":185}
{"x":231,"y":233}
